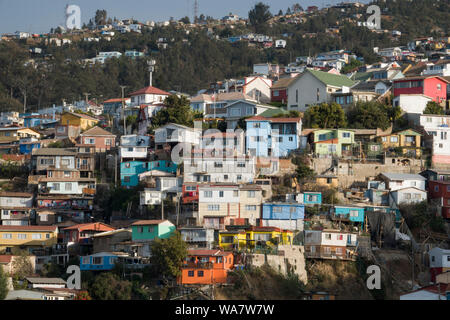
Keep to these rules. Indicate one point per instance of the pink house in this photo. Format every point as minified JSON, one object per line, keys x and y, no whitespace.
{"x":99,"y":138}
{"x":434,"y":87}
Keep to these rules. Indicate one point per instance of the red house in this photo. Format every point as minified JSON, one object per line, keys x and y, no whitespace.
{"x":278,"y":91}
{"x":441,"y":190}
{"x":434,"y":87}
{"x":189,"y":192}
{"x":81,"y":233}
{"x":99,"y":138}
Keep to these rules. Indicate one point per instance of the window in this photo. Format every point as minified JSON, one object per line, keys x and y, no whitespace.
{"x":207,"y":194}
{"x":97,"y":260}
{"x":190,"y":273}
{"x":86,"y":260}
{"x":328,"y":236}
{"x":239,"y":177}
{"x":276,"y":93}
{"x":65,"y":162}
{"x":280,"y":139}
{"x":7,"y":236}
{"x":126,"y":179}
{"x":200,"y":273}
{"x":291,"y":139}
{"x":339,"y":251}
{"x":213,"y":207}
{"x":89,"y":140}
{"x":56,"y":186}
{"x":354,"y":213}
{"x":68,"y":187}
{"x":277,"y":209}
{"x":108,"y":142}
{"x":220,"y":194}
{"x":322,"y":137}
{"x":443,"y":135}
{"x":36,"y":236}
{"x":218,"y":164}
{"x":66,"y":174}
{"x":346,"y":134}
{"x":251,"y":194}
{"x":407,"y":196}
{"x":21,"y":236}
{"x":394,"y":139}
{"x":250,"y":208}
{"x":241,"y":165}
{"x":257,"y":125}
{"x":225,"y":177}
{"x":235,"y":193}
{"x":43,"y":217}
{"x":47,"y":236}
{"x":140,"y":229}
{"x":47,"y":161}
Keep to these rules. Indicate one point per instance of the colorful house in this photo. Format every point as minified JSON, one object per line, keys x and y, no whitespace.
{"x":102,"y":261}
{"x":82,"y":233}
{"x":31,"y":237}
{"x":206,"y":267}
{"x":312,"y":198}
{"x":130,"y":170}
{"x":149,"y":230}
{"x":27,"y":147}
{"x":352,"y":213}
{"x":337,"y":142}
{"x":441,"y":190}
{"x":272,"y":136}
{"x":283,"y":215}
{"x":408,"y":140}
{"x":99,"y":138}
{"x":434,"y":87}
{"x":78,"y":119}
{"x":254,"y":237}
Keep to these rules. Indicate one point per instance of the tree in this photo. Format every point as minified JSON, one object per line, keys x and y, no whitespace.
{"x":297,"y":8}
{"x":280,"y":13}
{"x":100,"y":17}
{"x":354,"y":63}
{"x":303,"y":171}
{"x":433,"y":108}
{"x":21,"y":265}
{"x":178,"y":110}
{"x":108,"y":286}
{"x":368,"y":115}
{"x":3,"y":284}
{"x":259,"y":16}
{"x":288,"y":11}
{"x":325,"y":116}
{"x":185,"y":20}
{"x":168,"y":255}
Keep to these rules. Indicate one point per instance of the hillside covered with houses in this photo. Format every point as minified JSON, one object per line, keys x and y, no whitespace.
{"x":216,"y":158}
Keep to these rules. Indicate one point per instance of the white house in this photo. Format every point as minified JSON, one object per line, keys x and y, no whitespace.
{"x":411,"y":103}
{"x":243,"y":108}
{"x":439,"y":258}
{"x":396,"y":181}
{"x":134,"y":146}
{"x":438,"y":126}
{"x":148,"y":95}
{"x":280,"y":43}
{"x":440,"y":68}
{"x":173,"y":134}
{"x":407,"y":195}
{"x":151,"y":197}
{"x":433,"y":292}
{"x":211,"y":169}
{"x":314,"y":87}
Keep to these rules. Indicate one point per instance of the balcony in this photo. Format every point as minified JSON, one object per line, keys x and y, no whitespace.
{"x":84,"y":167}
{"x":198,"y":265}
{"x":331,"y":256}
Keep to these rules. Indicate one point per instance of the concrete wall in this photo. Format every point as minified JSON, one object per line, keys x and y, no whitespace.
{"x":287,"y":255}
{"x":357,"y":172}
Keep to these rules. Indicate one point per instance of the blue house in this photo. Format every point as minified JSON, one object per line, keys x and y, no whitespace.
{"x":311,"y":197}
{"x":27,"y":147}
{"x":272,"y":136}
{"x":130,"y":170}
{"x":283,"y":211}
{"x":36,"y":120}
{"x":353,"y":213}
{"x":103,"y":261}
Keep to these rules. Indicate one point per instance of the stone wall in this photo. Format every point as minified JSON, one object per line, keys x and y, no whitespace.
{"x":287,"y":255}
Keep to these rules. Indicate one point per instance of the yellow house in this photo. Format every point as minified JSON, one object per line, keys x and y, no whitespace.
{"x":327,"y":181}
{"x":30,"y":237}
{"x":408,"y":140}
{"x":78,"y":119}
{"x":254,"y":236}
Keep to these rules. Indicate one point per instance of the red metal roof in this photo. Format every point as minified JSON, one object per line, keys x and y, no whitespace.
{"x":96,"y":226}
{"x":150,"y":90}
{"x":205,"y":252}
{"x":147,"y":222}
{"x":274,"y":119}
{"x":28,"y":228}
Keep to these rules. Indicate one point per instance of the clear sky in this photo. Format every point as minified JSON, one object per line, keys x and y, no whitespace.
{"x":38,"y":16}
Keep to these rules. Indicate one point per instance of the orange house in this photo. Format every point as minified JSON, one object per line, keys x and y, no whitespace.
{"x":206,"y":267}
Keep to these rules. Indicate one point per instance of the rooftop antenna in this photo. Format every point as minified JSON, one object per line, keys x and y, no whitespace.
{"x":195,"y":10}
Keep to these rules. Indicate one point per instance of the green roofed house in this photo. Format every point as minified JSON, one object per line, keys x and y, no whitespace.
{"x":314,"y":87}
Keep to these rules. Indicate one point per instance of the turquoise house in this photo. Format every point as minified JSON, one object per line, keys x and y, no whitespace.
{"x":103,"y":261}
{"x":130,"y":170}
{"x":353,"y":213}
{"x":149,"y":230}
{"x":311,"y":198}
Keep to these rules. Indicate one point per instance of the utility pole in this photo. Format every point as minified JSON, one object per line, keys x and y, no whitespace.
{"x":162,"y":209}
{"x":123,"y":111}
{"x":151,"y":68}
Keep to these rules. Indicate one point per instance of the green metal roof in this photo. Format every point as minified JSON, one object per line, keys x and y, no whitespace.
{"x":408,"y":132}
{"x":332,"y":79}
